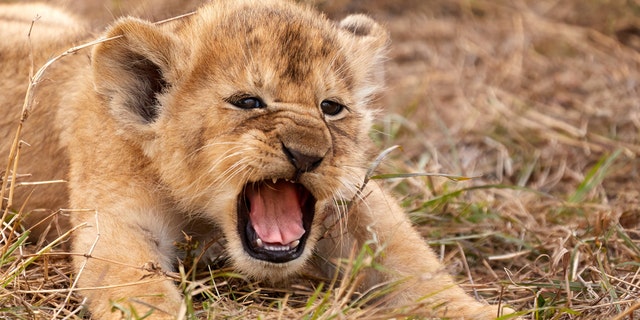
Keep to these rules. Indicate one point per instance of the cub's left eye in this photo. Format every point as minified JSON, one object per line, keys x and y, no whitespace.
{"x":331,"y":108}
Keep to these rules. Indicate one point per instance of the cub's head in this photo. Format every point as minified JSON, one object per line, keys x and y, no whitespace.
{"x":253,"y":114}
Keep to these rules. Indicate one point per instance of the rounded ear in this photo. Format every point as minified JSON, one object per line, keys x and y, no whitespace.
{"x":362,"y":25}
{"x":134,"y":69}
{"x":368,"y":42}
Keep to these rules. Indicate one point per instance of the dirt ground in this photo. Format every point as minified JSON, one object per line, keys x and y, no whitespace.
{"x":538,"y":100}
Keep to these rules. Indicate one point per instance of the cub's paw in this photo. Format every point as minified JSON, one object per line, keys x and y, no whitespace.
{"x":502,"y":312}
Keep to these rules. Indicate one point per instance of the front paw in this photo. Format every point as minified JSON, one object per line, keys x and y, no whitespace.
{"x":144,"y":308}
{"x":494,"y":311}
{"x":156,"y":300}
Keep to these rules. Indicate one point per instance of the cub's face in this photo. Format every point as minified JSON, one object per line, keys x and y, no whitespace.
{"x":255,"y":117}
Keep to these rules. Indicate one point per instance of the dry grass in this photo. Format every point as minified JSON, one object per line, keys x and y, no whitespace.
{"x":536,"y":99}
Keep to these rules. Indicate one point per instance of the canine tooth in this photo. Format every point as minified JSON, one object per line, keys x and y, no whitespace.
{"x":259,"y":243}
{"x":294,"y":244}
{"x":274,"y":180}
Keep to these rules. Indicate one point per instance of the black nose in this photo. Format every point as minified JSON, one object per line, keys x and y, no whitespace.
{"x":303,"y":162}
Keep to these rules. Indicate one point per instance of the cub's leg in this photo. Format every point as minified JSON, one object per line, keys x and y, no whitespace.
{"x":128,"y":244}
{"x":406,"y":259}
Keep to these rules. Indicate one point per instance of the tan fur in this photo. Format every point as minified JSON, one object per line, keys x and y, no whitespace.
{"x":153,"y":146}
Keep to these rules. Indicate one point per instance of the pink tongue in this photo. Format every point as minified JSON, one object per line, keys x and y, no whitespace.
{"x":275,"y":214}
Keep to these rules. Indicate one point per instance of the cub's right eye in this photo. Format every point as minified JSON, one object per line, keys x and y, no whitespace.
{"x":247,"y":103}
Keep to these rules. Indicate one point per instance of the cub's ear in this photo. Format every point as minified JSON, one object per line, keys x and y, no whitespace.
{"x":134,"y":69}
{"x":367,"y":42}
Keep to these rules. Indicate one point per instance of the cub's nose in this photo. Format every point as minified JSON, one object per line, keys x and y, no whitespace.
{"x":301,"y":161}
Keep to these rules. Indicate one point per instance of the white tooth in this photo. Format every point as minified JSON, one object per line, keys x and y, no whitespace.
{"x":277,"y":248}
{"x":259,"y":243}
{"x":274,"y":180}
{"x":294,"y":244}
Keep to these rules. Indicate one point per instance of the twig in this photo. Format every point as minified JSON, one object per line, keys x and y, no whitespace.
{"x":84,"y":264}
{"x":467,"y":270}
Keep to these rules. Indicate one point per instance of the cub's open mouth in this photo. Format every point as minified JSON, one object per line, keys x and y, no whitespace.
{"x":274,"y":219}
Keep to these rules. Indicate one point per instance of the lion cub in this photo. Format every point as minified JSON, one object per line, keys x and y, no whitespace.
{"x":249,"y":120}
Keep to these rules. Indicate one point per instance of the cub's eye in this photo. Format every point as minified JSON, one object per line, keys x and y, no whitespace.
{"x":331,"y":108}
{"x":248,"y":103}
